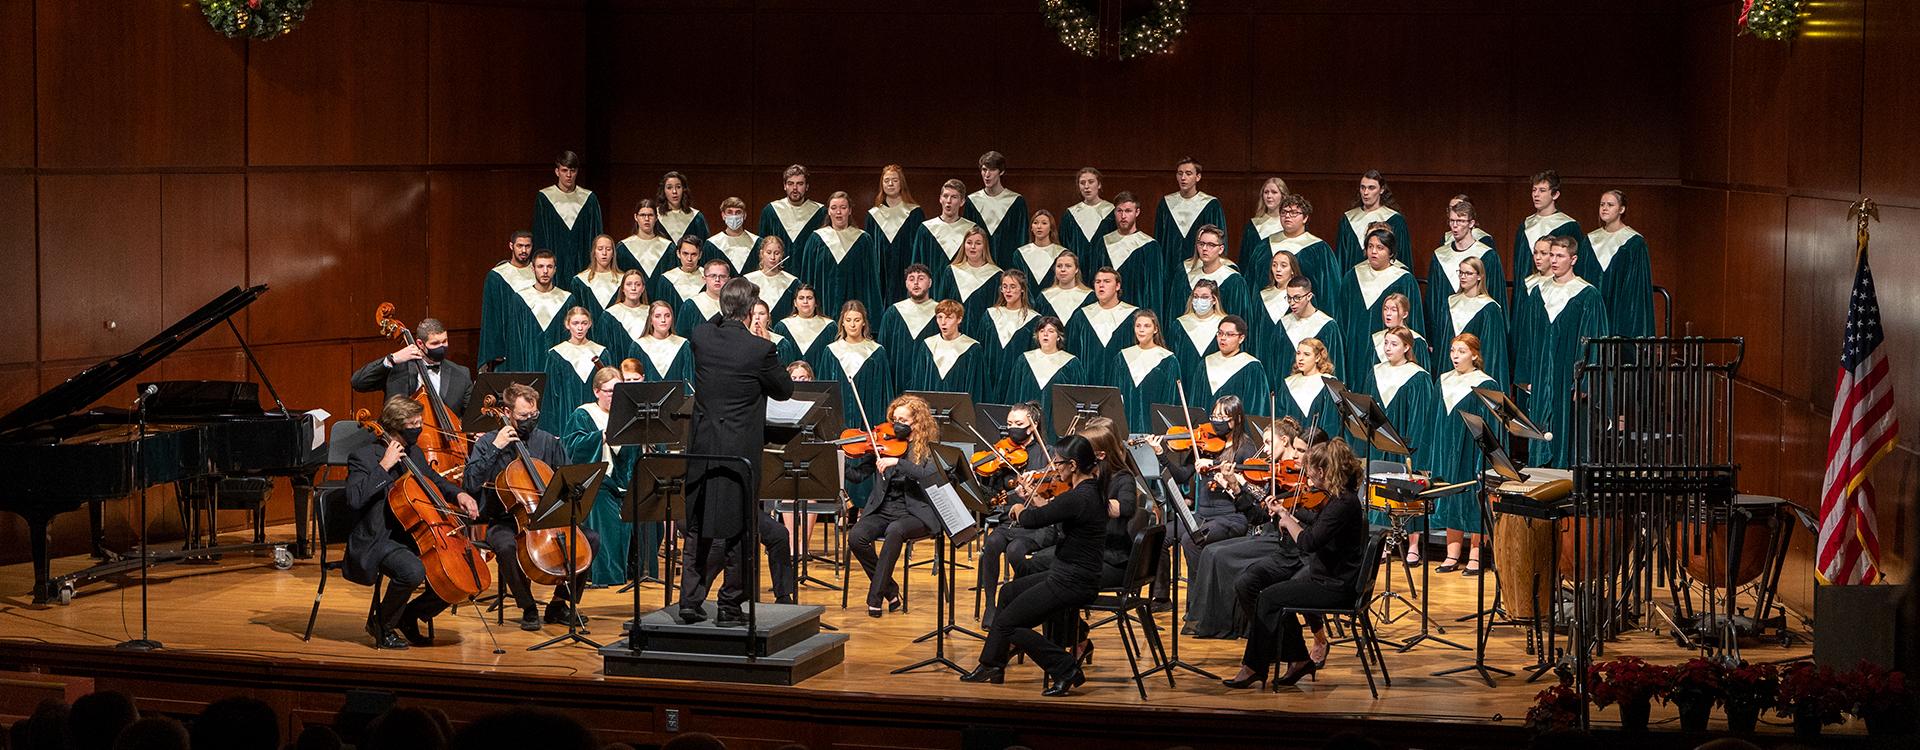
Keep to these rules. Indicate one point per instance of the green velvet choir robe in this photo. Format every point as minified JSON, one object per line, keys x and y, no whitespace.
{"x":902,"y":325}
{"x":1241,"y":375}
{"x":1080,"y":228}
{"x":621,"y":327}
{"x":1412,"y":403}
{"x":1304,"y":396}
{"x":1484,"y":318}
{"x":1317,"y":262}
{"x":1095,"y":334}
{"x":1443,"y":278}
{"x":697,"y":308}
{"x":937,"y":244}
{"x":1175,"y":220}
{"x":784,"y":348}
{"x":499,"y":297}
{"x":1423,"y":350}
{"x":566,"y":223}
{"x":1626,"y":280}
{"x":791,"y":223}
{"x":1268,"y":339}
{"x":1256,"y":250}
{"x":585,"y":441}
{"x":1236,"y":295}
{"x":777,"y":290}
{"x":1031,"y":375}
{"x":666,"y":359}
{"x":1352,"y":245}
{"x":1456,"y":458}
{"x":650,"y":256}
{"x":810,"y":337}
{"x":952,"y":366}
{"x":1143,"y":271}
{"x":865,"y":367}
{"x":597,"y":293}
{"x":537,"y":321}
{"x":1004,"y":334}
{"x":677,"y":224}
{"x":569,"y":368}
{"x":841,"y":265}
{"x":1061,"y":302}
{"x":674,"y":285}
{"x":893,"y":230}
{"x":1559,"y":224}
{"x":741,"y":253}
{"x":976,"y":288}
{"x":1145,"y":377}
{"x":1037,"y":263}
{"x":1520,"y":327}
{"x":1361,"y":295}
{"x":1479,"y":235}
{"x":1192,"y":338}
{"x":1004,"y":216}
{"x":1277,"y":345}
{"x":1558,"y":316}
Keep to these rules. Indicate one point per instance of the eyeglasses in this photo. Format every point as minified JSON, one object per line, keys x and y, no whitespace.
{"x":1292,"y":212}
{"x":1204,"y":243}
{"x":1225,"y":332}
{"x":1299,"y":297}
{"x":534,"y":417}
{"x":716,"y":275}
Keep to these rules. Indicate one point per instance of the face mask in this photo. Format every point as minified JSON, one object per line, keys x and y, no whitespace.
{"x":902,"y":430}
{"x":409,"y":434}
{"x":735,"y":221}
{"x":1220,"y":426}
{"x":525,"y":427}
{"x":1018,"y":435}
{"x":437,"y":354}
{"x":1202,"y":305}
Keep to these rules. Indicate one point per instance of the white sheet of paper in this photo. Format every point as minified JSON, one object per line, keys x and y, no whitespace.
{"x":788,"y":412}
{"x":319,"y":417}
{"x":953,"y":513}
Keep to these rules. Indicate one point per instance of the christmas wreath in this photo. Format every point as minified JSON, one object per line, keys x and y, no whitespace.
{"x":1150,"y":33}
{"x":254,"y":19}
{"x":1771,"y":19}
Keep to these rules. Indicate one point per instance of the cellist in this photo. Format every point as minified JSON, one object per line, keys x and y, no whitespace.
{"x":489,"y":458}
{"x":450,"y":381}
{"x":378,"y":545}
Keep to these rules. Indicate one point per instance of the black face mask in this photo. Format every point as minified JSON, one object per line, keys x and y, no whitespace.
{"x":1019,"y":435}
{"x":1220,"y":426}
{"x":902,"y":430}
{"x":410,"y":434}
{"x":437,"y":354}
{"x":526,"y":427}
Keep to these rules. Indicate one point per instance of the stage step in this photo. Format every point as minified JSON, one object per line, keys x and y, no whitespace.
{"x":790,"y":648}
{"x":779,"y":626}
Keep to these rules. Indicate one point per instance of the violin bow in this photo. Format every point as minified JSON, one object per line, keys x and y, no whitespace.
{"x":858,"y":405}
{"x":1193,"y":443}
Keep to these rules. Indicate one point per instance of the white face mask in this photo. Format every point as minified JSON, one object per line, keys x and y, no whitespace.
{"x":735,"y":221}
{"x":1202,"y":305}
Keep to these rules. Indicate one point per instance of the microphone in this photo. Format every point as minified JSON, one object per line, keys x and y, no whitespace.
{"x":145,"y":392}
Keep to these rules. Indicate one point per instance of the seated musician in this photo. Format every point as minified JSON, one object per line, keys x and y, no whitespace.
{"x":379,"y":546}
{"x":1013,"y":541}
{"x":1120,"y":485}
{"x":392,"y":373}
{"x":898,"y":509}
{"x":1218,"y":593}
{"x":1221,"y":513}
{"x":489,"y":458}
{"x":631,"y":371}
{"x":799,"y":371}
{"x":1333,"y":548}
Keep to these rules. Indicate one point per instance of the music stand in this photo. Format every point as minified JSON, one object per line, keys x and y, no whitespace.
{"x":992,"y":419}
{"x":1169,"y":416}
{"x":647,"y":414}
{"x":1489,"y":447}
{"x":1511,"y":418}
{"x":804,"y":472}
{"x":1497,"y":457}
{"x":1367,"y":422}
{"x":1073,"y":405}
{"x":473,"y":419}
{"x":959,"y":528}
{"x":560,"y":508}
{"x":826,"y":419}
{"x":953,"y":411}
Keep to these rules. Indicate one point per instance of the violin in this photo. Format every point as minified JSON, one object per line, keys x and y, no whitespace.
{"x":1253,"y":469}
{"x":440,"y":439}
{"x":994,"y":460}
{"x":1179,"y":439}
{"x":520,"y":487}
{"x":856,"y":443}
{"x":456,"y":569}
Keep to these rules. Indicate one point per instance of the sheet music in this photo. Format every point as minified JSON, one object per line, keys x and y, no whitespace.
{"x":787,"y":412}
{"x":1179,"y":503}
{"x":953,"y":513}
{"x":319,"y":417}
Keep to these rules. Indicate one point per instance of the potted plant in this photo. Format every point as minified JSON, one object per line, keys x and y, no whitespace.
{"x":1880,"y":699}
{"x":1746,"y":690}
{"x":1697,"y":686}
{"x":1555,"y":708}
{"x":1813,"y":696}
{"x":1631,"y":682}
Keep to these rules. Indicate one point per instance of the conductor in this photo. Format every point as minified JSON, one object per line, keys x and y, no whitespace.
{"x":734,"y":374}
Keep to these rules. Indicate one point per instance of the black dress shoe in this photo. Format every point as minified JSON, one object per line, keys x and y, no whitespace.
{"x":387,"y":640}
{"x":1065,"y":685}
{"x":691,"y":615}
{"x":559,"y":614}
{"x":1257,"y":678}
{"x":410,"y":628}
{"x":786,"y":600}
{"x":730,"y":618}
{"x":984,"y":673}
{"x":530,"y":620}
{"x":1292,"y":677}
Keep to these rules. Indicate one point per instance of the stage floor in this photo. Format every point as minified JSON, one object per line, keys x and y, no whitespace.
{"x":243,"y":609}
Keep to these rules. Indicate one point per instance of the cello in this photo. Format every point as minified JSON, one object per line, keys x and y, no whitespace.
{"x":440,"y":438}
{"x":520,"y":486}
{"x":456,"y":570}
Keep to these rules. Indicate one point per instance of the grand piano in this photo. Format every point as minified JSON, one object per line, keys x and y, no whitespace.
{"x":68,"y":456}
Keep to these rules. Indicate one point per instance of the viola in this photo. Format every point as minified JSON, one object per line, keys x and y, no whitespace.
{"x":993,"y":461}
{"x":441,"y":442}
{"x":520,"y":485}
{"x":856,"y":443}
{"x":456,"y":569}
{"x":1180,"y":439}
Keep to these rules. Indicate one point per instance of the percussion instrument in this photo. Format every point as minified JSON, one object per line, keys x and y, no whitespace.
{"x":1757,"y":519}
{"x":1523,"y":542}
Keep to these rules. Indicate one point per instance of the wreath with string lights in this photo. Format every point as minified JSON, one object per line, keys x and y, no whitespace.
{"x":1150,"y":33}
{"x":1775,"y":20}
{"x":254,"y":19}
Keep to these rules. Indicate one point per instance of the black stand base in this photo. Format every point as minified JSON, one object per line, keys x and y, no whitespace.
{"x":139,"y":644}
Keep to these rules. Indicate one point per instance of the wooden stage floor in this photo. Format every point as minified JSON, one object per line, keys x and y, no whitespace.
{"x":254,"y":614}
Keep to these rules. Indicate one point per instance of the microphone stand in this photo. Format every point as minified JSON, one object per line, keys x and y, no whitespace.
{"x":143,"y":643}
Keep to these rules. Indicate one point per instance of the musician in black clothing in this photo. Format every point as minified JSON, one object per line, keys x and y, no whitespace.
{"x":1221,"y":513}
{"x":1015,"y":542}
{"x":1262,"y":560}
{"x":378,"y":546}
{"x":491,"y":455}
{"x":393,"y":374}
{"x":1071,"y":583}
{"x":898,"y":511}
{"x":1335,"y":546}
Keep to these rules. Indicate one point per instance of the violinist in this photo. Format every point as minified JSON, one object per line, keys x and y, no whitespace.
{"x":898,"y":510}
{"x":489,"y":457}
{"x":1013,"y":541}
{"x":1221,"y":512}
{"x":393,"y":373}
{"x":1120,"y":485}
{"x":1284,"y":558}
{"x":1217,"y":606}
{"x":378,"y":546}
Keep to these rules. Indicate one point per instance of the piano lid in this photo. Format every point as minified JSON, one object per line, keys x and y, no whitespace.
{"x":97,"y":381}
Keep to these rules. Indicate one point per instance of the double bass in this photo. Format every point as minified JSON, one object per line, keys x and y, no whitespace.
{"x":456,"y":569}
{"x":440,"y":438}
{"x":520,"y":486}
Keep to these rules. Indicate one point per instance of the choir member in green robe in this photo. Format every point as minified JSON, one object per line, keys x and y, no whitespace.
{"x":948,"y":361}
{"x":938,"y":242}
{"x":1234,"y":290}
{"x":1561,"y":312}
{"x":840,"y":261}
{"x":1256,"y":248}
{"x":1064,"y":291}
{"x":1032,"y":373}
{"x":1193,"y":333}
{"x":809,"y":331}
{"x":646,"y":250}
{"x":1036,"y":258}
{"x":1374,"y":204}
{"x":1314,"y":257}
{"x":597,"y":284}
{"x":907,"y":322}
{"x":1005,"y":332}
{"x":1098,"y":329}
{"x":1456,"y":458}
{"x":1366,"y":288}
{"x":1443,"y":272}
{"x":1519,"y":325}
{"x":1135,"y":255}
{"x":1474,"y":311}
{"x":663,"y":354}
{"x":1146,"y":373}
{"x":646,"y":547}
{"x":894,"y":223}
{"x":1406,"y":392}
{"x":678,"y":217}
{"x":1479,"y":235}
{"x":569,"y":366}
{"x":972,"y":279}
{"x":1626,"y":270}
{"x":1304,"y":395}
{"x":676,"y":284}
{"x":793,"y":216}
{"x":863,"y":369}
{"x":1176,"y":220}
{"x":534,"y":322}
{"x":1231,"y":371}
{"x":566,"y":216}
{"x":623,"y":323}
{"x":700,"y":308}
{"x":1085,"y":222}
{"x":500,"y":295}
{"x":1002,"y":212}
{"x":776,"y":284}
{"x":585,"y":440}
{"x":1299,"y":321}
{"x":1547,"y":220}
{"x":733,"y":244}
{"x":1394,"y":311}
{"x":760,"y":323}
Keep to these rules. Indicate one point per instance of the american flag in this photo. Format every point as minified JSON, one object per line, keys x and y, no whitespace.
{"x":1864,"y":429}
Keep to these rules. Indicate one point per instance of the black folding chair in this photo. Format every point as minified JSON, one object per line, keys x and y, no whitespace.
{"x":333,"y":520}
{"x":1126,"y":604}
{"x":1366,"y":642}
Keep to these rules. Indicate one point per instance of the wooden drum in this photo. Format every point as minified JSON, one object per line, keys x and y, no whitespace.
{"x":1755,"y":543}
{"x":1523,"y":547}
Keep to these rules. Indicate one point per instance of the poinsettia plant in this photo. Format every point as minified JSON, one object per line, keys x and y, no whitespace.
{"x":1808,"y":689}
{"x":1698,"y":680}
{"x":1875,"y":689}
{"x":1750,"y":686}
{"x":1628,"y":679}
{"x":1557,"y":707}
